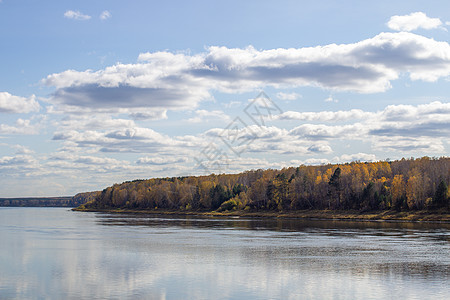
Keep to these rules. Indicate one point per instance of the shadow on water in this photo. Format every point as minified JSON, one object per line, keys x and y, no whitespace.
{"x":243,"y":223}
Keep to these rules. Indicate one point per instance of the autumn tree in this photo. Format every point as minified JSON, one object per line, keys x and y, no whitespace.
{"x":398,"y":191}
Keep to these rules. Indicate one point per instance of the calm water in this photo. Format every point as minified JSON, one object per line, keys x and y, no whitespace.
{"x":53,"y":253}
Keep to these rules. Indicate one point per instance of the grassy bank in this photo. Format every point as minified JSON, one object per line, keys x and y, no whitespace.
{"x":386,"y":215}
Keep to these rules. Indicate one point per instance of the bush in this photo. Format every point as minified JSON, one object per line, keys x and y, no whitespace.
{"x":228,"y":205}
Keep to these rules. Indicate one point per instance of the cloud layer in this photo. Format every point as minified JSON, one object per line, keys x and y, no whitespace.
{"x":164,"y":80}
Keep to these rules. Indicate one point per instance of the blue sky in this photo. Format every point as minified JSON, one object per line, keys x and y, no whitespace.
{"x":98,"y":92}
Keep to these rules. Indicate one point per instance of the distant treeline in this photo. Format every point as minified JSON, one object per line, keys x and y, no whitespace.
{"x":74,"y":201}
{"x":41,"y":201}
{"x":406,"y":184}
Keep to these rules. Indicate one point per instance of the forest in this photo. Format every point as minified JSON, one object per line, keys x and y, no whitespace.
{"x":401,"y":185}
{"x":43,"y":201}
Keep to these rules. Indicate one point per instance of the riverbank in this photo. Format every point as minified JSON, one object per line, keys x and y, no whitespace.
{"x":436,"y":216}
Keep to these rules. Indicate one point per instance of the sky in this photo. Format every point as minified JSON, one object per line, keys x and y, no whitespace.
{"x":94,"y":93}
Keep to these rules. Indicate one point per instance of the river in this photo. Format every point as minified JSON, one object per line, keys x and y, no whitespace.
{"x":54,"y":253}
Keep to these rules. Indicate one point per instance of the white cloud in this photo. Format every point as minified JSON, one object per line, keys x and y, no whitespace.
{"x":325,"y":116}
{"x":168,"y":81}
{"x":321,"y":131}
{"x":15,"y":104}
{"x":11,"y":161}
{"x":154,"y":114}
{"x":413,"y":21}
{"x":288,"y":96}
{"x":105,"y":15}
{"x":354,"y":157}
{"x":21,"y":127}
{"x":404,"y":128}
{"x":331,"y":99}
{"x":22,"y":149}
{"x":202,"y":115}
{"x":136,"y":133}
{"x":160,"y":160}
{"x":76,"y":15}
{"x":337,"y":159}
{"x":236,"y":164}
{"x":70,"y":161}
{"x":126,"y":140}
{"x":89,"y":122}
{"x":94,"y":160}
{"x":405,"y":144}
{"x":316,"y":161}
{"x":268,"y":140}
{"x":157,"y":85}
{"x":233,"y":104}
{"x":425,"y":120}
{"x":19,"y":149}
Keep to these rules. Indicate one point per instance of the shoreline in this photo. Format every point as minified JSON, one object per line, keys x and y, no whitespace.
{"x":438,"y":216}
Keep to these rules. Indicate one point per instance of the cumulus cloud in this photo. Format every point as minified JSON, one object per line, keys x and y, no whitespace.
{"x":325,"y":116}
{"x":21,"y":127}
{"x":105,"y":15}
{"x":321,"y":131}
{"x":88,"y":122}
{"x":405,"y":144}
{"x":160,"y":160}
{"x":127,"y":140}
{"x":331,"y":99}
{"x":76,"y":15}
{"x":149,"y":115}
{"x":288,"y":96}
{"x":425,"y":120}
{"x":15,"y":104}
{"x":163,"y":154}
{"x":18,"y":160}
{"x":266,"y":139}
{"x":236,"y":164}
{"x":154,"y":86}
{"x":413,"y":22}
{"x":337,"y":159}
{"x":73,"y":161}
{"x":354,"y":157}
{"x":202,"y":115}
{"x":403,"y":128}
{"x":169,"y":81}
{"x":20,"y":149}
{"x":315,"y":161}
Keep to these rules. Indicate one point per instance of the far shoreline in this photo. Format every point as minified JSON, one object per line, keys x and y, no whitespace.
{"x":437,"y":216}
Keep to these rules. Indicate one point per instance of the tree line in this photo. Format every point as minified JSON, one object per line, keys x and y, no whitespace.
{"x":43,"y":201}
{"x":406,"y":184}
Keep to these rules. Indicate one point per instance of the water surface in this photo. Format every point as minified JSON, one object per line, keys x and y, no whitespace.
{"x":54,"y":253}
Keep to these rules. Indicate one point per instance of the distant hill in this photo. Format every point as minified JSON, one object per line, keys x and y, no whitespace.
{"x":74,"y":201}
